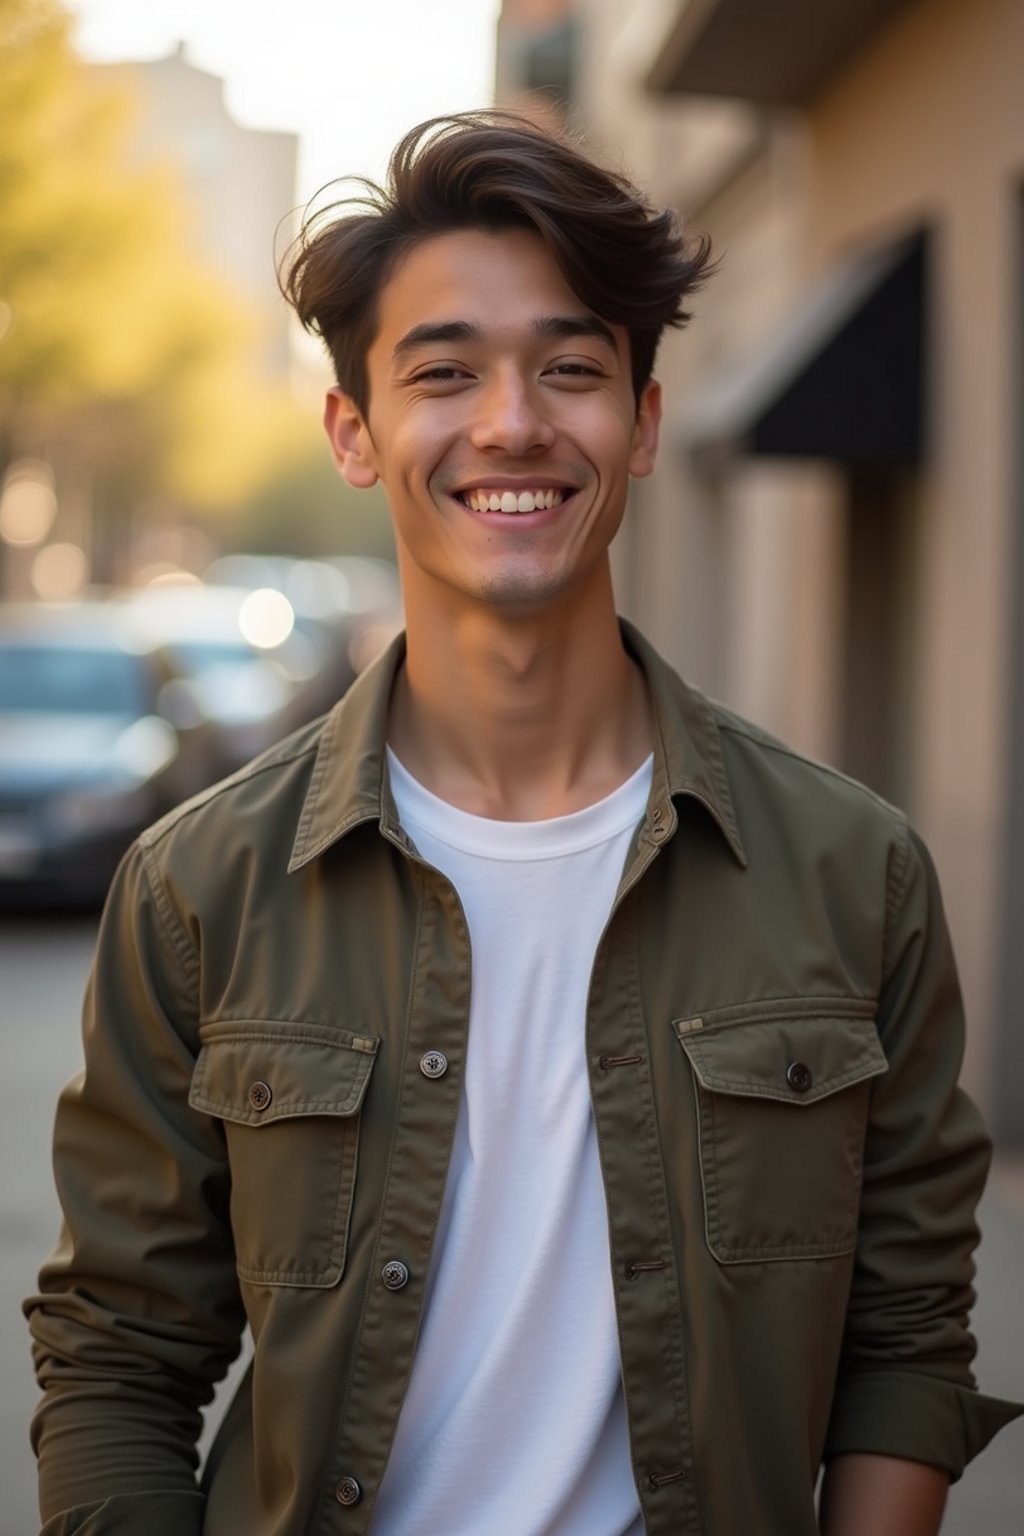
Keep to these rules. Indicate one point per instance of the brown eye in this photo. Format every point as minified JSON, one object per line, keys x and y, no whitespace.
{"x":576,"y":370}
{"x":439,"y":375}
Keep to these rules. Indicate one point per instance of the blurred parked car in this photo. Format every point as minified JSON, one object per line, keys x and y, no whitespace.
{"x":97,"y":739}
{"x":250,"y":667}
{"x":354,"y":599}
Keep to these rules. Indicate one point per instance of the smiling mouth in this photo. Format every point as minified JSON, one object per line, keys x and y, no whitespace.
{"x":514,"y":502}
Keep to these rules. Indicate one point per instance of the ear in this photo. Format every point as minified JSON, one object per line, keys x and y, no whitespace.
{"x":645,"y":431}
{"x":350,"y":440}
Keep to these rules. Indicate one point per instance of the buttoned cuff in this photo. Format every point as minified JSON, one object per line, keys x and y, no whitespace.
{"x":915,"y":1417}
{"x":158,"y":1514}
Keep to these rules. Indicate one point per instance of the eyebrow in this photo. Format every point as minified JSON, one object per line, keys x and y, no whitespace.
{"x":435,"y":333}
{"x":575,"y":325}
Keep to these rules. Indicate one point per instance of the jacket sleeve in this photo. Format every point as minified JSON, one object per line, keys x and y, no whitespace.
{"x":905,"y":1386}
{"x":138,"y":1313}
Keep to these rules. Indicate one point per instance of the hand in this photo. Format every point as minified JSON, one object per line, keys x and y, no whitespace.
{"x":867,"y":1495}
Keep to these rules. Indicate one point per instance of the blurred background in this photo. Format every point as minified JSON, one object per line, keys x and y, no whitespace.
{"x":833,"y":542}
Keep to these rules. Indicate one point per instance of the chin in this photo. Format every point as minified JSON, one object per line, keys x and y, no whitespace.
{"x":521,"y":588}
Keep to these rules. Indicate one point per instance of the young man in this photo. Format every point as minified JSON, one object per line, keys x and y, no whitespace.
{"x":557,"y":1073}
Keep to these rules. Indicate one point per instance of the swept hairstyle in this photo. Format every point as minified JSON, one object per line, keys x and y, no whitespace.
{"x":626,"y":260}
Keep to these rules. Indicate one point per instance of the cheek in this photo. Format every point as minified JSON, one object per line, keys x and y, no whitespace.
{"x":606,"y":429}
{"x":416,"y":449}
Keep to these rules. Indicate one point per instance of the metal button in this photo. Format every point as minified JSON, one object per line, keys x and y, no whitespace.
{"x":394,"y":1274}
{"x":798,"y":1076}
{"x":434,"y":1064}
{"x":348,"y":1491}
{"x":260,"y":1095}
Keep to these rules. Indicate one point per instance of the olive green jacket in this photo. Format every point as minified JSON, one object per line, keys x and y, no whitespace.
{"x":265,"y":1121}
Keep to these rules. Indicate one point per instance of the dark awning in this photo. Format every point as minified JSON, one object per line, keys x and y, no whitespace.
{"x":844,"y":379}
{"x":776,"y":54}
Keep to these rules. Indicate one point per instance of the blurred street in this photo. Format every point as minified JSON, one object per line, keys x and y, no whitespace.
{"x":44,"y":964}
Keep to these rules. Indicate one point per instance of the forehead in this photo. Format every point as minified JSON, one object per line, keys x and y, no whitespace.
{"x":493,"y":279}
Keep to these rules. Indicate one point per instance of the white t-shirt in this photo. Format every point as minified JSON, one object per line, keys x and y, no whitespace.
{"x":514,"y":1422}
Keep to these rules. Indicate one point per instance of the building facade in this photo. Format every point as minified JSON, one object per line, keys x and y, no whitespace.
{"x":833,"y":540}
{"x":239,"y":182}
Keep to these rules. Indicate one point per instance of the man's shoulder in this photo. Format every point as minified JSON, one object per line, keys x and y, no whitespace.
{"x":276,"y":769}
{"x":253,"y":813}
{"x":803,"y":813}
{"x":753,"y":774}
{"x":818,"y":838}
{"x":748,"y":745}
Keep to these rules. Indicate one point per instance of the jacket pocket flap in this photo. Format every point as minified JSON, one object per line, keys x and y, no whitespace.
{"x":255,"y":1072}
{"x":796,"y":1060}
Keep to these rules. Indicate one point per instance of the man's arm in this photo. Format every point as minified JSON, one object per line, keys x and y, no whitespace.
{"x":904,"y":1391}
{"x":882,"y":1495}
{"x":138,"y":1313}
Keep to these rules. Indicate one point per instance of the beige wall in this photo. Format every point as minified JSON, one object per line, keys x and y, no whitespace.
{"x":929,"y":123}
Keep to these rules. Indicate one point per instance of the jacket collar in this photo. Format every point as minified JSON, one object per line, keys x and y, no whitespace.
{"x":349,"y":784}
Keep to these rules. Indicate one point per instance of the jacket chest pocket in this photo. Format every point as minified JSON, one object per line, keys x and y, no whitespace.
{"x":782,"y":1105}
{"x":290,"y":1096}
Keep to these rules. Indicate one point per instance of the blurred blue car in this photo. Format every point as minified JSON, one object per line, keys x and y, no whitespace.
{"x":98,"y":737}
{"x":246,"y":680}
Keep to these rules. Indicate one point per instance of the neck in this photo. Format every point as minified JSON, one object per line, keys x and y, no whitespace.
{"x":519,"y":716}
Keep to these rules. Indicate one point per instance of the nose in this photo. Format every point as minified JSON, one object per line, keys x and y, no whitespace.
{"x":510,"y":417}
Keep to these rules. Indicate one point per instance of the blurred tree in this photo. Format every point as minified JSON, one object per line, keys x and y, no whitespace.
{"x":120,"y":351}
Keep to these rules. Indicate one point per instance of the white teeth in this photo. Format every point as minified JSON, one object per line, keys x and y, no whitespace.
{"x":511,"y":501}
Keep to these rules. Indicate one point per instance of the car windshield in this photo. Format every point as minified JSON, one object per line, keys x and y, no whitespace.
{"x":84,"y":681}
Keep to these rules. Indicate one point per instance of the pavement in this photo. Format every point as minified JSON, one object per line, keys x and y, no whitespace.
{"x":42,"y":973}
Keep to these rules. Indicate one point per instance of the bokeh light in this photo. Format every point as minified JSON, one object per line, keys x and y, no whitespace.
{"x":59,"y":571}
{"x":28,"y":504}
{"x":266,"y":618}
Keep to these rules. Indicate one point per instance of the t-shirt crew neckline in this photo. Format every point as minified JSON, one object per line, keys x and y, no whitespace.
{"x":552,"y":838}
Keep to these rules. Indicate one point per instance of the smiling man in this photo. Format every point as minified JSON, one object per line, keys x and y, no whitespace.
{"x":502,"y":417}
{"x":557,"y":1073}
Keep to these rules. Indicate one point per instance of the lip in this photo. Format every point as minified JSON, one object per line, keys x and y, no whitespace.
{"x":516,"y":483}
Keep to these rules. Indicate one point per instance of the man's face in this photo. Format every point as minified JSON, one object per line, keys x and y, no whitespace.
{"x":502,"y":421}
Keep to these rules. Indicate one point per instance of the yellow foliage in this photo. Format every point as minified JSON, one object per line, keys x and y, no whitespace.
{"x":101,"y":297}
{"x":81,"y":236}
{"x":229,"y":436}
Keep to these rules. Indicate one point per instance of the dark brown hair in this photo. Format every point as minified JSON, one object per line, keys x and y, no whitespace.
{"x":626,"y":260}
